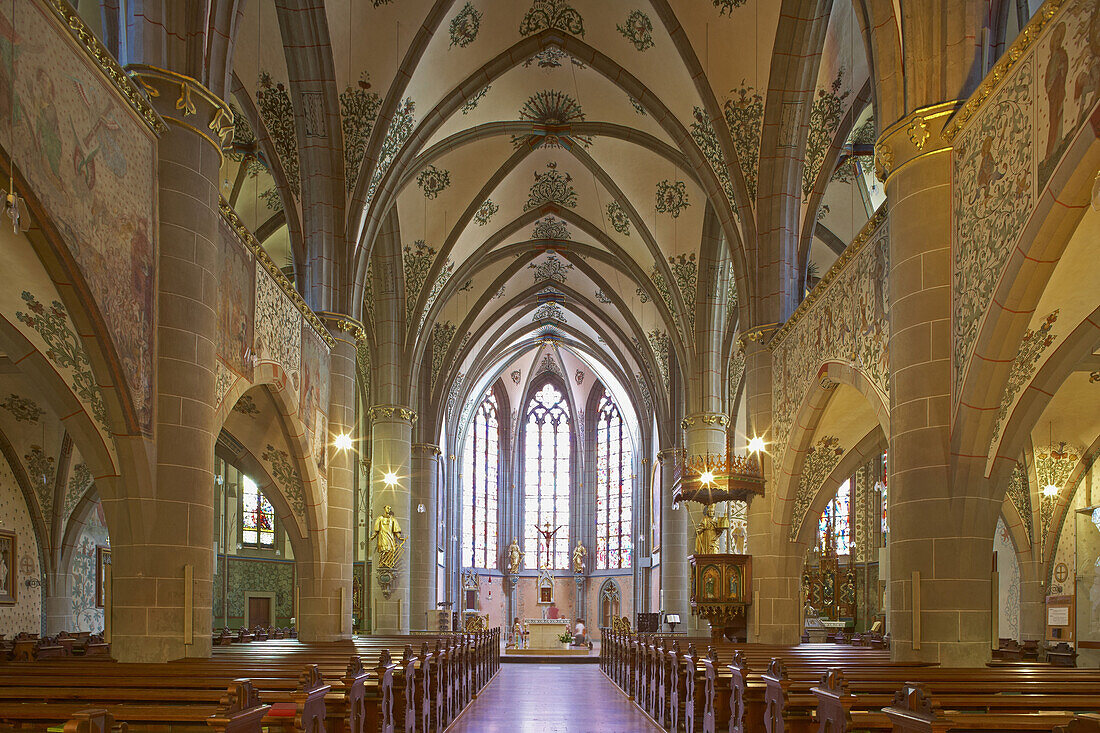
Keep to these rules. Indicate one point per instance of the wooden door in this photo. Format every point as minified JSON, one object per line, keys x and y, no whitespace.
{"x":259,"y":612}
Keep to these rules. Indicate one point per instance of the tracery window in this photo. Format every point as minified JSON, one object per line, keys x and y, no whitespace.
{"x":480,"y":469}
{"x":257,"y":516}
{"x":546,"y":455}
{"x":614,"y":487}
{"x":834,"y":529}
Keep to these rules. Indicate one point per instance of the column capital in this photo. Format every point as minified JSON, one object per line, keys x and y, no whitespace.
{"x":709,"y":419}
{"x":186,"y":102}
{"x":919,"y":134}
{"x":339,"y":324}
{"x":430,"y":448}
{"x":666,"y":454}
{"x":396,"y":413}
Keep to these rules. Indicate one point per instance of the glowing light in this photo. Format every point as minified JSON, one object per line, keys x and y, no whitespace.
{"x":1050,"y":490}
{"x":756,"y":445}
{"x":390,"y":478}
{"x":707,"y":477}
{"x":343,"y":442}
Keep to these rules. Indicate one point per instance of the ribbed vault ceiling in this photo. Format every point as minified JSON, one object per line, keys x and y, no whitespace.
{"x":590,"y":169}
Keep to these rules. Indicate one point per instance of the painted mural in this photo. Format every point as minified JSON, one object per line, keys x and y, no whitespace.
{"x":26,"y":614}
{"x":86,"y":616}
{"x":1069,"y":79}
{"x":994,"y":191}
{"x":92,"y":164}
{"x":315,"y":393}
{"x":249,"y":576}
{"x":235,"y":302}
{"x":845,"y":319}
{"x":1006,"y":154}
{"x":1008,"y":583}
{"x":278,"y":330}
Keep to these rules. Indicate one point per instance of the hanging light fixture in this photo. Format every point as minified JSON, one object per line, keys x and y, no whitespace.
{"x":709,"y":479}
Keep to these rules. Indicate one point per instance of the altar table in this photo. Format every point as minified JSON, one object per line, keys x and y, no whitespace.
{"x":544,"y":633}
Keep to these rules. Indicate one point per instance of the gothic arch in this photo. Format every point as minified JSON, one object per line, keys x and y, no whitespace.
{"x":1021,"y":284}
{"x":269,"y":379}
{"x":807,"y":420}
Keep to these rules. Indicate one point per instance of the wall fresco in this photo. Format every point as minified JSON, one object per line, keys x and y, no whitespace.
{"x":1008,"y":583}
{"x":278,"y":330}
{"x":26,"y":614}
{"x":1006,"y":154}
{"x":92,"y":164}
{"x":86,"y":617}
{"x":846,"y":319}
{"x":994,"y":191}
{"x":315,"y":394}
{"x":235,"y":303}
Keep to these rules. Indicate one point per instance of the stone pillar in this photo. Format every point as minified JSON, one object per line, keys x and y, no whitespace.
{"x":390,"y":485}
{"x":674,"y":541}
{"x":324,"y":582}
{"x":155,"y":617}
{"x":1032,"y":600}
{"x":774,"y":614}
{"x":422,"y":535}
{"x":58,"y":603}
{"x":951,"y":554}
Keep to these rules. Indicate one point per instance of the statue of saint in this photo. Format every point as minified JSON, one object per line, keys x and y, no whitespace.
{"x":579,"y":553}
{"x":707,"y":532}
{"x":515,"y":557}
{"x":387,"y":536}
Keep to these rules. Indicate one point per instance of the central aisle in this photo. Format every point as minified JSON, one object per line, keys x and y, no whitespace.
{"x":552,"y":698}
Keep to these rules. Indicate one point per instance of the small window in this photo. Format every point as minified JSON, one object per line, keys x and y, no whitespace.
{"x":258,"y":517}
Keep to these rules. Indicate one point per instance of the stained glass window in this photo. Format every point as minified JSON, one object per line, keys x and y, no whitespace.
{"x":258,"y":516}
{"x":614,"y":487}
{"x":546,"y":454}
{"x":835,"y":524}
{"x":480,"y":469}
{"x":885,"y":523}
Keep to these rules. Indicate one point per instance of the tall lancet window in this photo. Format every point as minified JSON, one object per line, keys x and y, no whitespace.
{"x":480,"y":468}
{"x":834,"y":528}
{"x":614,"y":487}
{"x":547,"y":439}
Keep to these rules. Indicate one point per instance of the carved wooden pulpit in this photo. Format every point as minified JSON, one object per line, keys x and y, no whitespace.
{"x":721,"y":592}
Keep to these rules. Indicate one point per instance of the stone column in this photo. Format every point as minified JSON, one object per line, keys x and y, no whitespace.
{"x":674,"y":542}
{"x":324,"y":582}
{"x":390,"y":485}
{"x":59,"y":603}
{"x":1032,"y":600}
{"x":171,"y":533}
{"x":424,"y":528}
{"x":951,"y":554}
{"x":774,"y":614}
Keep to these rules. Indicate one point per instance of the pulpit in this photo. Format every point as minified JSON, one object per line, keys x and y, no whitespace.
{"x":721,"y":591}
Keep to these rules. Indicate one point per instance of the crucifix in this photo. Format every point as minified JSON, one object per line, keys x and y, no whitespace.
{"x":547,"y":536}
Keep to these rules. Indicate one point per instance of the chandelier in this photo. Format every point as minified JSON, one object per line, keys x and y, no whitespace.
{"x":709,"y":478}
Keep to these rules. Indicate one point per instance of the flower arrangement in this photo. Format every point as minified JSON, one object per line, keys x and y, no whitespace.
{"x":565,"y":637}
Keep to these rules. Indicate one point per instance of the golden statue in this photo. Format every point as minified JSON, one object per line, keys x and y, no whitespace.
{"x":389,"y":542}
{"x":515,"y":557}
{"x":579,"y":554}
{"x":707,"y":532}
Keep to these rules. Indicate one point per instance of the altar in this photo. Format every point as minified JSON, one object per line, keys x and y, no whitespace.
{"x":544,"y":633}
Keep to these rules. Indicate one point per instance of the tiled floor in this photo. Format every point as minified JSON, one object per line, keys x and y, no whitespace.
{"x":548,"y":698}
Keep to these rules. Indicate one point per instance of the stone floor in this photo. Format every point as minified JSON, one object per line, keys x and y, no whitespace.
{"x":550,"y":698}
